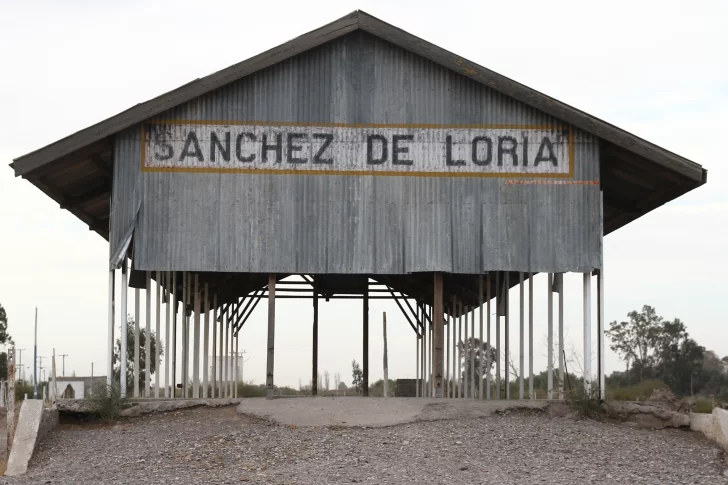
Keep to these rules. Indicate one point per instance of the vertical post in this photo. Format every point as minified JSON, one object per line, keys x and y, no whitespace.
{"x":431,"y":383}
{"x":488,"y":347}
{"x":530,"y":336}
{"x":213,"y":377}
{"x":498,"y":303}
{"x":137,"y":308}
{"x":423,"y":354}
{"x":438,"y":333}
{"x":271,"y":334}
{"x":480,"y":334}
{"x":365,"y":358}
{"x":10,"y":419}
{"x":231,"y":323}
{"x":460,"y":350}
{"x":314,"y":363}
{"x":157,"y":330}
{"x":124,"y":335}
{"x":110,"y":354}
{"x":453,"y":379}
{"x":507,"y":304}
{"x":472,"y":353}
{"x":550,"y":351}
{"x":521,"y":387}
{"x":417,"y":364}
{"x":466,"y":348}
{"x":168,"y":278}
{"x":225,"y":364}
{"x":148,"y":336}
{"x":221,"y":343}
{"x":587,"y":333}
{"x":206,"y":343}
{"x":183,"y":322}
{"x":189,"y":320}
{"x":196,"y":343}
{"x":385,"y":364}
{"x":600,"y":333}
{"x":173,"y":294}
{"x":561,"y":335}
{"x":236,"y":371}
{"x":53,"y":381}
{"x":447,"y":357}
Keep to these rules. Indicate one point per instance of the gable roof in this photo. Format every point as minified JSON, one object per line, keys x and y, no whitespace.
{"x":671,"y":174}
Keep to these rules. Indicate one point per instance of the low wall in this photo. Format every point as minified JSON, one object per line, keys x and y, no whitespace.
{"x":714,"y":426}
{"x":47,"y":423}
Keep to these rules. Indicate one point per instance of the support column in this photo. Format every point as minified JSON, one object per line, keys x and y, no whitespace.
{"x":507,"y":300}
{"x":206,"y":342}
{"x":550,"y":363}
{"x":365,"y":338}
{"x":489,"y":348}
{"x":137,"y":307}
{"x":167,"y":288}
{"x":498,"y":310}
{"x":231,"y":324}
{"x":447,"y":357}
{"x":147,"y":337}
{"x":236,"y":370}
{"x":438,"y":334}
{"x":213,"y":377}
{"x":480,"y":333}
{"x":158,"y":334}
{"x":521,"y":387}
{"x":225,"y":364}
{"x":587,"y":334}
{"x":314,"y":363}
{"x":423,"y":354}
{"x":417,"y":364}
{"x":472,"y":353}
{"x":385,"y":363}
{"x":466,"y":364}
{"x":196,"y":343}
{"x":531,"y":395}
{"x":110,"y":331}
{"x":124,"y":334}
{"x":453,"y":379}
{"x":460,"y":350}
{"x":271,"y":334}
{"x":221,"y":344}
{"x":175,"y":310}
{"x":600,"y":334}
{"x":431,"y":381}
{"x":183,"y":343}
{"x":561,"y":335}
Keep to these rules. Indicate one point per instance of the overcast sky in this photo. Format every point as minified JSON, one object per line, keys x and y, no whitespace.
{"x":656,"y":69}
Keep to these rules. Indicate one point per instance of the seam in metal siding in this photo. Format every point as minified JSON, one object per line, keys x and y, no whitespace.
{"x":357,"y":224}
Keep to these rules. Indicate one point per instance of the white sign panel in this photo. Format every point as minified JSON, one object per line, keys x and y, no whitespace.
{"x":469,"y":151}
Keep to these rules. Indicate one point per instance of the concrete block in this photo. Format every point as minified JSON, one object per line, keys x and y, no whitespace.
{"x":26,"y":435}
{"x":720,"y":417}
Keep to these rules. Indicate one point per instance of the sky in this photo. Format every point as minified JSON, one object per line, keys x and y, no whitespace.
{"x":656,"y":69}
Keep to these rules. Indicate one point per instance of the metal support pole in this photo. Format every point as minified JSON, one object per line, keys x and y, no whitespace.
{"x":460,"y":350}
{"x":385,"y":364}
{"x":124,"y":335}
{"x":314,"y":363}
{"x":231,"y":344}
{"x":206,"y":342}
{"x":550,"y":363}
{"x":423,"y":353}
{"x":148,"y":335}
{"x":225,"y":363}
{"x":110,"y":354}
{"x":137,"y":309}
{"x":521,"y":386}
{"x":220,"y":354}
{"x":417,"y":365}
{"x":168,"y":279}
{"x":530,"y":336}
{"x":561,"y":335}
{"x":157,"y":360}
{"x":183,"y":343}
{"x":587,"y":333}
{"x":271,"y":334}
{"x":472,"y":353}
{"x":430,"y":383}
{"x":466,"y":365}
{"x":480,"y":334}
{"x":600,"y":334}
{"x":489,"y":348}
{"x":213,"y":377}
{"x":438,"y":334}
{"x":236,"y":363}
{"x":173,"y":387}
{"x":196,"y":342}
{"x":453,"y":379}
{"x":365,"y":357}
{"x":447,"y":357}
{"x":498,"y":303}
{"x":507,"y":300}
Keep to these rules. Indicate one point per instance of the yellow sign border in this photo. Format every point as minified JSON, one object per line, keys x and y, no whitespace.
{"x":264,"y":171}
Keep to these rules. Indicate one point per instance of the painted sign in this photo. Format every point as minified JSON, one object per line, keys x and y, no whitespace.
{"x":467,"y":151}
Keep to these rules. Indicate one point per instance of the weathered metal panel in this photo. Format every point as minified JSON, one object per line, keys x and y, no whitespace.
{"x":332,"y":223}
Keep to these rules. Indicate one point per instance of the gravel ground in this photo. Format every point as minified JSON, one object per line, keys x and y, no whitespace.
{"x":219,"y":446}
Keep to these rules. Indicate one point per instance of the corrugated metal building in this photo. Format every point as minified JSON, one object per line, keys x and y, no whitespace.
{"x":355,"y":152}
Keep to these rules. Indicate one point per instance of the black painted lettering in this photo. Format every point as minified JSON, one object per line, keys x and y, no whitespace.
{"x":292,"y":148}
{"x":327,"y":138}
{"x":191,"y":148}
{"x":215,"y":146}
{"x":161,"y":142}
{"x":370,"y":149}
{"x":276,"y":147}
{"x":488,"y":150}
{"x":507,"y":145}
{"x":398,"y":150}
{"x":239,"y":147}
{"x":448,"y":153}
{"x":540,"y":157}
{"x":525,"y":150}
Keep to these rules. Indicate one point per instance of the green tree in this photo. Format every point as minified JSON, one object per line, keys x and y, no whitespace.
{"x":5,"y":337}
{"x":479,"y":351}
{"x":634,"y":340}
{"x":357,"y":375}
{"x":142,"y":355}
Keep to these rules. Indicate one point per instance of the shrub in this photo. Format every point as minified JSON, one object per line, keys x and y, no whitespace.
{"x":105,"y":401}
{"x":638,"y":392}
{"x":23,"y":388}
{"x":585,"y":402}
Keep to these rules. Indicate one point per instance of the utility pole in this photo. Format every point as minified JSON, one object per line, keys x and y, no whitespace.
{"x":63,"y":369}
{"x":20,"y":361}
{"x":35,"y":354}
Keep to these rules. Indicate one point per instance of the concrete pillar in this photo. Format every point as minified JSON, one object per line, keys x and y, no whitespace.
{"x":466,"y":363}
{"x":498,"y":310}
{"x":521,"y":338}
{"x":531,"y":394}
{"x":213,"y":376}
{"x":472,"y":353}
{"x":314,"y":363}
{"x":271,"y":334}
{"x":480,"y":338}
{"x":460,"y":351}
{"x":206,"y":342}
{"x":158,"y":334}
{"x":365,"y":338}
{"x":167,"y":289}
{"x":453,"y":377}
{"x":490,"y":352}
{"x":560,"y":285}
{"x":124,"y":345}
{"x":137,"y":307}
{"x":600,"y":334}
{"x":148,"y":332}
{"x":173,"y":346}
{"x":110,"y":334}
{"x":438,"y":314}
{"x":587,"y":333}
{"x":196,"y":342}
{"x":550,"y":340}
{"x":447,"y":357}
{"x":417,"y":365}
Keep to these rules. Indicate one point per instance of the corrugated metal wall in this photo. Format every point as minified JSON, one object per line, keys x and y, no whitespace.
{"x":356,"y":224}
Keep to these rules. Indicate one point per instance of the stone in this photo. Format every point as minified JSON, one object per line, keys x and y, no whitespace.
{"x":131,"y":412}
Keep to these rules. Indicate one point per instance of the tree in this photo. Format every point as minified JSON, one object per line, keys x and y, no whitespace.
{"x":4,"y":366}
{"x":337,"y":381}
{"x":635,"y":339}
{"x":142,"y":355}
{"x":326,"y":380}
{"x":357,"y":375}
{"x":480,"y":351}
{"x":5,"y":337}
